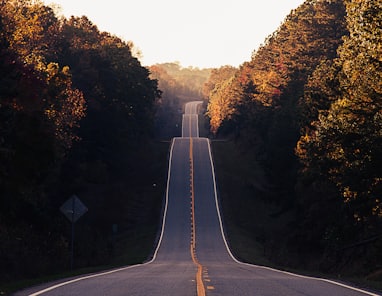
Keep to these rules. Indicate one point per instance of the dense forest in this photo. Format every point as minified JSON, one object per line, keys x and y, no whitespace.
{"x":77,"y":115}
{"x":178,"y":85}
{"x":307,"y":109}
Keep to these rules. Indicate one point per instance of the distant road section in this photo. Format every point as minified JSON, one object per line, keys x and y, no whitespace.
{"x":190,"y":127}
{"x":192,"y":257}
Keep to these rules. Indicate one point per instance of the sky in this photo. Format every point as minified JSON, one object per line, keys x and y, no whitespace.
{"x":198,"y":33}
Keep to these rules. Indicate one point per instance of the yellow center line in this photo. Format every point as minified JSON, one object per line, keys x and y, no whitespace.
{"x":201,"y":291}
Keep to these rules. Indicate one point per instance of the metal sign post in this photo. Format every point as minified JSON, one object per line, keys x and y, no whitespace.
{"x":73,"y":209}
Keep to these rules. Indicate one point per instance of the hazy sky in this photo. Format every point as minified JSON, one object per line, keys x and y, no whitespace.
{"x":200,"y":33}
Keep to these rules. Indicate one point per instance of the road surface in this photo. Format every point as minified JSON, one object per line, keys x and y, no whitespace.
{"x":192,"y":257}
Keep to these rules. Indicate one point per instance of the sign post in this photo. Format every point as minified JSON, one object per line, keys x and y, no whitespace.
{"x":73,"y":209}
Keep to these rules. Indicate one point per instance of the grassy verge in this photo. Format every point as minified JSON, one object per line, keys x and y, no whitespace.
{"x":135,"y":240}
{"x":203,"y":126}
{"x":252,"y":224}
{"x":136,"y":244}
{"x":244,"y":214}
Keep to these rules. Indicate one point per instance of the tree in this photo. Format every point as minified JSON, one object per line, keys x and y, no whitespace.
{"x":220,"y":91}
{"x":74,"y":106}
{"x":345,"y":144}
{"x":65,"y":105}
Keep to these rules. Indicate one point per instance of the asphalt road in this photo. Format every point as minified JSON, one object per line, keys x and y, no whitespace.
{"x":192,"y":257}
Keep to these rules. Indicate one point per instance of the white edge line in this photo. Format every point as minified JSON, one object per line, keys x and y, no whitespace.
{"x":265,"y":267}
{"x":128,"y":267}
{"x":196,"y":113}
{"x":166,"y":202}
{"x":197,"y":118}
{"x":183,"y":126}
{"x":191,"y":109}
{"x":133,"y":266}
{"x":197,"y":126}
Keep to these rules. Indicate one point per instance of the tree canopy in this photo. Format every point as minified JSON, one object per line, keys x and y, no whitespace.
{"x":308,"y":107}
{"x":74,"y":106}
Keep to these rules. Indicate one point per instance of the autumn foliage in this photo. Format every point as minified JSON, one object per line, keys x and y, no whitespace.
{"x":74,"y":106}
{"x":308,"y":108}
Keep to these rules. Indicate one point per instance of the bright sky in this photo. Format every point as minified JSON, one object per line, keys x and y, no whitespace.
{"x":199,"y":33}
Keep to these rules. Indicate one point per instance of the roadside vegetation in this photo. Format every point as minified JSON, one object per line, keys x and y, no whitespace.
{"x":254,"y":227}
{"x":77,"y":113}
{"x":300,"y":174}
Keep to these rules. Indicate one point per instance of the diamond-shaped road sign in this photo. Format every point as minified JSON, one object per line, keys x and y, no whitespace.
{"x":73,"y":208}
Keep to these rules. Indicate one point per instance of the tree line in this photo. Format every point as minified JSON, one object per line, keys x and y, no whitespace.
{"x":77,"y":114}
{"x":308,"y":107}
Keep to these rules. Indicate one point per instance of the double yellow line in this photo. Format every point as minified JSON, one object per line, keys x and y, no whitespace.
{"x":201,"y":291}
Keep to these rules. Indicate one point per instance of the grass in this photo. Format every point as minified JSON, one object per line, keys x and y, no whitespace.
{"x":203,"y":126}
{"x":245,"y":215}
{"x":131,"y":246}
{"x":252,"y":224}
